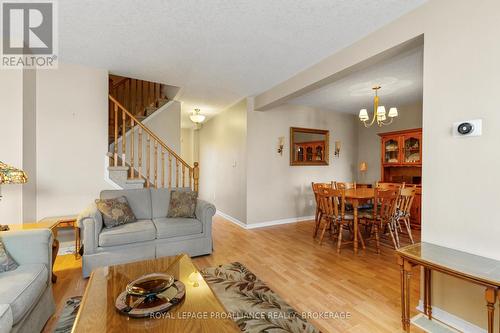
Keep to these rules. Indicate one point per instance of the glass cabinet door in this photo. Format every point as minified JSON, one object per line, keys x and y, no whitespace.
{"x":391,"y":151}
{"x":412,"y":149}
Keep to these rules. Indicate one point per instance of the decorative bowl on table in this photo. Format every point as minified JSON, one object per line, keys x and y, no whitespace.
{"x":150,"y":294}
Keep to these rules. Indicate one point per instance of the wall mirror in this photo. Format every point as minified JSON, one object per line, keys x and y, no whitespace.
{"x":308,"y":146}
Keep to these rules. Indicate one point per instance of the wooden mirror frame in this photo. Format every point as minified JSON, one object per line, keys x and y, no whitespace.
{"x":326,"y":133}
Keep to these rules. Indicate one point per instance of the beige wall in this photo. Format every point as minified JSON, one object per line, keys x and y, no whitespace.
{"x":72,"y":127}
{"x":410,"y":116}
{"x":11,"y":114}
{"x":276,"y":190}
{"x":222,"y":153}
{"x":460,"y":175}
{"x":187,"y":145}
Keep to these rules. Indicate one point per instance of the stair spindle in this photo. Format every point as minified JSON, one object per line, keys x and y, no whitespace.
{"x":156,"y":164}
{"x":139,"y":151}
{"x":162,"y":168}
{"x":124,"y":136}
{"x":183,"y":175}
{"x":169,"y":170}
{"x":176,"y":172}
{"x":148,"y":159}
{"x":190,"y":178}
{"x":132,"y":135}
{"x":116,"y":137}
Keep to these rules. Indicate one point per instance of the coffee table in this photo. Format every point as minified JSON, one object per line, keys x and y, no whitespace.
{"x":200,"y":311}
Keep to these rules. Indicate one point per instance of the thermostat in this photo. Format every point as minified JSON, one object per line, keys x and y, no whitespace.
{"x":468,"y":128}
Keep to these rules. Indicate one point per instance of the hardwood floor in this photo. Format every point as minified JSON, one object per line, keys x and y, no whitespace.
{"x":310,"y":277}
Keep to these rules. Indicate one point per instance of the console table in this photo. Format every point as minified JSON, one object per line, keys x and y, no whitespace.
{"x":469,"y":267}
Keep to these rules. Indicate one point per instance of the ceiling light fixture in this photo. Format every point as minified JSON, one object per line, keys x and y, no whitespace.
{"x":379,"y":113}
{"x":196,"y":117}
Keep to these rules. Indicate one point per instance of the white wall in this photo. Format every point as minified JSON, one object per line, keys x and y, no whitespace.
{"x":72,"y":138}
{"x":187,"y":145}
{"x":222,"y":153}
{"x":11,"y":115}
{"x":369,"y":150}
{"x":276,"y":190}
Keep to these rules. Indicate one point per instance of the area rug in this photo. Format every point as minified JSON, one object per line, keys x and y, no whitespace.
{"x":68,"y":315}
{"x":251,"y":304}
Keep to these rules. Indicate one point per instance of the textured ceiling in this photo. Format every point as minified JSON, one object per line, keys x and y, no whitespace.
{"x":401,"y":79}
{"x":217,"y":51}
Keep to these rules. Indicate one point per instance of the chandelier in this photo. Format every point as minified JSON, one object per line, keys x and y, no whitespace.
{"x":196,"y":117}
{"x":379,"y":113}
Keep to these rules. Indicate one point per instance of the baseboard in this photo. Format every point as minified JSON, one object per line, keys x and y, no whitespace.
{"x":451,"y":320}
{"x":263,"y":224}
{"x":231,"y":219}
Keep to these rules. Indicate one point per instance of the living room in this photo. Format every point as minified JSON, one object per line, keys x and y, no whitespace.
{"x":253,"y":71}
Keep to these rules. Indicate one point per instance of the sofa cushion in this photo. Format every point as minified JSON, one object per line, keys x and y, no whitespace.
{"x":134,"y":232}
{"x":178,"y":226}
{"x":139,"y":200}
{"x":22,"y":288}
{"x":160,"y":200}
{"x":5,"y":318}
{"x":6,"y":261}
{"x":182,"y":204}
{"x":115,"y":211}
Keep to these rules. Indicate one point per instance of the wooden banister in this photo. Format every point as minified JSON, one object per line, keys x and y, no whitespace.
{"x":157,"y":155}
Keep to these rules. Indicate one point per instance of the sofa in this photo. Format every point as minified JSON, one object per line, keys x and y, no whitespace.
{"x":153,"y":235}
{"x":26,"y":301}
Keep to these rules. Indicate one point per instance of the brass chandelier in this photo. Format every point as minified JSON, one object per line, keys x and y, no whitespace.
{"x":379,"y":113}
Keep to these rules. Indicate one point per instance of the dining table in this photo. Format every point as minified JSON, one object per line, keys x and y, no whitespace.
{"x":357,"y":196}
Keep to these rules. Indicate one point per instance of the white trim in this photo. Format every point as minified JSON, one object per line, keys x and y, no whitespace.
{"x":451,"y":320}
{"x":264,"y":224}
{"x":231,"y":219}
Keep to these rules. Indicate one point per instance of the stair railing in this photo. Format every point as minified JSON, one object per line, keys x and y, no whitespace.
{"x":163,"y":167}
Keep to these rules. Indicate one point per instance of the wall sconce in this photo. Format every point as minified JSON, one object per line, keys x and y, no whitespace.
{"x":281,"y":144}
{"x":363,"y":167}
{"x":336,"y":152}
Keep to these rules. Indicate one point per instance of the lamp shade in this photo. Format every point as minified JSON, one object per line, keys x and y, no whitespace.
{"x":363,"y":166}
{"x":381,"y":111}
{"x":196,"y":117}
{"x":363,"y":115}
{"x":393,"y":112}
{"x":11,"y":175}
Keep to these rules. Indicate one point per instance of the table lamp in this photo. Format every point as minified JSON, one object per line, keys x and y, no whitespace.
{"x":363,"y":167}
{"x":10,"y":175}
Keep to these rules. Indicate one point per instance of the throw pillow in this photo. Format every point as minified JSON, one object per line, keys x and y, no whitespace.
{"x":115,"y":211}
{"x":6,"y":261}
{"x":182,"y":204}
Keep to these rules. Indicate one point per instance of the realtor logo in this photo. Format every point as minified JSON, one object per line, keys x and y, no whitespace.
{"x":28,"y":34}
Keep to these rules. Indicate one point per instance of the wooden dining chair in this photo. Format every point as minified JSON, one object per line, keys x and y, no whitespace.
{"x":382,"y":216}
{"x":334,"y":215}
{"x":403,"y":207}
{"x":316,"y":187}
{"x":390,"y":186}
{"x":345,"y":185}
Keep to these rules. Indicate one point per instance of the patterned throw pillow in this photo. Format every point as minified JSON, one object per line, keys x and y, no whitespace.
{"x":6,"y":262}
{"x":182,"y":204}
{"x":115,"y":211}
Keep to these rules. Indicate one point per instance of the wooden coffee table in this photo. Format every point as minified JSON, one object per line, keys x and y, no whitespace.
{"x":200,"y":311}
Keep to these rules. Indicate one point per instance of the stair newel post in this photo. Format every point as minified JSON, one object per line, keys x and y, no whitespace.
{"x":124,"y":137}
{"x":139,"y":150}
{"x":196,"y":176}
{"x":132,"y":135}
{"x":148,"y":159}
{"x":190,"y":176}
{"x":176,"y":172}
{"x":156,"y":164}
{"x":183,"y":175}
{"x":116,"y":136}
{"x":162,"y":167}
{"x":169,"y":170}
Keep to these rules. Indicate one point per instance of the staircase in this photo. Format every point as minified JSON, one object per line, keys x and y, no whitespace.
{"x":141,"y":98}
{"x":139,"y":158}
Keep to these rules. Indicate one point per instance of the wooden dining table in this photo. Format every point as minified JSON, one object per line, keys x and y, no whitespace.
{"x":357,"y":196}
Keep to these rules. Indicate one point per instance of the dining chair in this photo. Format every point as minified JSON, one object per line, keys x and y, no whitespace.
{"x":382,"y":216}
{"x":316,"y":187}
{"x":345,"y":185}
{"x":405,"y":201}
{"x":390,"y":186}
{"x":332,"y":203}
